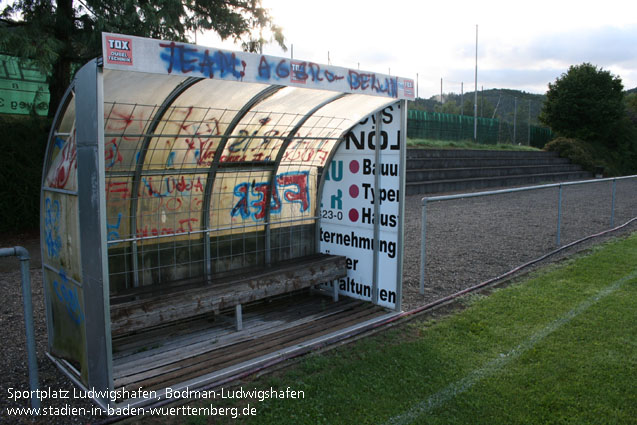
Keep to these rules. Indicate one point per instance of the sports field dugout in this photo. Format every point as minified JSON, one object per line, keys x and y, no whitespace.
{"x":205,"y":211}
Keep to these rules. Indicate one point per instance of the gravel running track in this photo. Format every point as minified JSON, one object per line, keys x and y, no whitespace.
{"x":468,"y":241}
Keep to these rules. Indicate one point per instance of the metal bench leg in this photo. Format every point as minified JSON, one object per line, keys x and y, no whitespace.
{"x":335,"y":290}
{"x":238,"y":317}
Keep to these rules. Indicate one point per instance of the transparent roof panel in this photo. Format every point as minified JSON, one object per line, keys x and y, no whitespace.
{"x":337,"y":117}
{"x":131,"y":100}
{"x":68,"y":119}
{"x":319,"y":134}
{"x":138,"y":87}
{"x":261,"y":132}
{"x":62,"y":152}
{"x":192,"y":127}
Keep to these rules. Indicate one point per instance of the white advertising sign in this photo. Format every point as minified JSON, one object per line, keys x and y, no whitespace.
{"x":129,"y":53}
{"x":347,"y":211}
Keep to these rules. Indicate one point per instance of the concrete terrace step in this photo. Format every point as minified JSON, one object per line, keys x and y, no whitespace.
{"x":425,"y":175}
{"x":468,"y":153}
{"x":432,"y":171}
{"x":440,"y":186}
{"x":473,"y":162}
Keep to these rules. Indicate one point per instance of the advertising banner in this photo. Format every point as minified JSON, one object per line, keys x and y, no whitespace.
{"x":129,"y":53}
{"x":347,"y":212}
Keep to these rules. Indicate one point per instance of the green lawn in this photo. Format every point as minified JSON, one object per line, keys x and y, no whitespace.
{"x":559,"y":347}
{"x":464,"y":144}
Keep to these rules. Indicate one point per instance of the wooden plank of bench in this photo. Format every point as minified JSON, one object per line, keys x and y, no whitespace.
{"x":168,"y":307}
{"x":156,"y":358}
{"x":184,"y":367}
{"x":179,"y":333}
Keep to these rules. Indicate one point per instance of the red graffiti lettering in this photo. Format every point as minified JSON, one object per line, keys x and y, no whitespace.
{"x":120,"y":188}
{"x":125,"y":122}
{"x":187,"y":221}
{"x":173,"y":204}
{"x":298,"y":181}
{"x":111,"y":153}
{"x":67,"y":163}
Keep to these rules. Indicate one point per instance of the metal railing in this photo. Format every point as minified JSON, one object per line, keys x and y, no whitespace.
{"x":23,"y":256}
{"x":425,"y":200}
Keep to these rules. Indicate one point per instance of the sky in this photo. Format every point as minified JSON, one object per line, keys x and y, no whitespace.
{"x":521,"y":45}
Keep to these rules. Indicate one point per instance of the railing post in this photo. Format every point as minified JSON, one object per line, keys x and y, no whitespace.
{"x":23,"y":256}
{"x":423,"y":247}
{"x":612,"y":208}
{"x":559,"y":216}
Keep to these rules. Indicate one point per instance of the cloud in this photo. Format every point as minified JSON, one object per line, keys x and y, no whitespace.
{"x":530,"y":80}
{"x":604,"y":46}
{"x":531,"y":64}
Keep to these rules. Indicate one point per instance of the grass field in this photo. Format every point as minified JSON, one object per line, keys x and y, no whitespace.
{"x":464,"y":144}
{"x":559,"y":347}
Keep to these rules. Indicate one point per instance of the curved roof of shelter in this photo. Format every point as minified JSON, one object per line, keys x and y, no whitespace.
{"x":156,"y":90}
{"x":245,"y":108}
{"x":175,"y":105}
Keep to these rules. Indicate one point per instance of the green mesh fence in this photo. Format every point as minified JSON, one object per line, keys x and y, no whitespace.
{"x":452,"y":127}
{"x":540,"y":136}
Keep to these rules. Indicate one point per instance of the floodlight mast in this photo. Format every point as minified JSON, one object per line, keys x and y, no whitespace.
{"x":475,"y":95}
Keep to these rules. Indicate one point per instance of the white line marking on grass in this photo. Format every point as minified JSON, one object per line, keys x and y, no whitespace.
{"x":493,"y":366}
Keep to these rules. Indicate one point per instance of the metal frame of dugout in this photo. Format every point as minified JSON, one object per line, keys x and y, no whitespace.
{"x":183,"y":182}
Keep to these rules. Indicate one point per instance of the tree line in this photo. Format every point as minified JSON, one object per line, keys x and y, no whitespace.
{"x":61,"y":35}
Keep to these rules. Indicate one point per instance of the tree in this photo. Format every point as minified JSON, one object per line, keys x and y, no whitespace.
{"x":58,"y":34}
{"x":449,"y":107}
{"x":485,"y":108}
{"x":631,"y":107}
{"x":585,"y":103}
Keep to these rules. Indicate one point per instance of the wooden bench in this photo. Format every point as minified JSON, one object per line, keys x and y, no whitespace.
{"x":147,"y":307}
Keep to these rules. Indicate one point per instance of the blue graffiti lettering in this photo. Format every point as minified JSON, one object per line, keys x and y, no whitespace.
{"x":331,"y":77}
{"x":184,"y":59}
{"x":171,"y":159}
{"x":296,"y":71}
{"x":51,"y":227}
{"x":314,"y":71}
{"x":241,"y":191}
{"x":67,"y":294}
{"x":264,"y":69}
{"x":252,"y":198}
{"x":361,"y":81}
{"x":282,"y":69}
{"x":113,"y":229}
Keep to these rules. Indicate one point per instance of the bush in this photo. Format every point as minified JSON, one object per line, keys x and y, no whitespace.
{"x":24,"y":142}
{"x":576,"y":150}
{"x":590,"y":156}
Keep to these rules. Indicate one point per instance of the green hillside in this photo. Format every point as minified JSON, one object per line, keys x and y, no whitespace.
{"x":493,"y":103}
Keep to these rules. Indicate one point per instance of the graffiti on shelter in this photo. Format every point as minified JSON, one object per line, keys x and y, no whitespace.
{"x":64,"y":164}
{"x":113,"y":229}
{"x":126,"y":121}
{"x":193,"y":138}
{"x":183,"y":59}
{"x":252,"y":197}
{"x":67,"y":294}
{"x":52,"y":227}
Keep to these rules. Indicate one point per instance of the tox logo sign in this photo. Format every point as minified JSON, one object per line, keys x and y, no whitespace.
{"x":119,"y":50}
